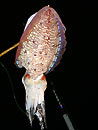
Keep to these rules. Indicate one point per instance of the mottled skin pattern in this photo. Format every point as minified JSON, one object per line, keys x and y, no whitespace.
{"x":39,"y":45}
{"x":40,"y":49}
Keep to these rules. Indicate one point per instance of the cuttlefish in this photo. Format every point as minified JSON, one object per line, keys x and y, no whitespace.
{"x":40,"y":49}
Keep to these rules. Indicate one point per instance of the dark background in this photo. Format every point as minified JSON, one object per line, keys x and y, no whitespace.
{"x":74,"y":79}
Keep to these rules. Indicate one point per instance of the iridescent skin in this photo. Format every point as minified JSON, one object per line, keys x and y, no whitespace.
{"x":40,"y":49}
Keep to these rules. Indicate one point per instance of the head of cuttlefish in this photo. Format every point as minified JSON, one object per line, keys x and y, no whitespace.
{"x":35,"y":104}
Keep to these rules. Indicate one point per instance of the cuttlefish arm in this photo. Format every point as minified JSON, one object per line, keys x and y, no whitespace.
{"x":35,"y":97}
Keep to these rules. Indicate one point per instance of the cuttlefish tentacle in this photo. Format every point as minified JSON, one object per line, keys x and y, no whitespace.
{"x":35,"y":104}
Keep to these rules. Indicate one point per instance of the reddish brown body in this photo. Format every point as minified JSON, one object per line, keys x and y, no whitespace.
{"x":42,"y":43}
